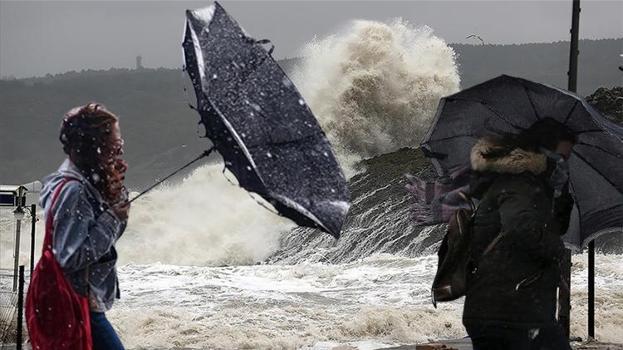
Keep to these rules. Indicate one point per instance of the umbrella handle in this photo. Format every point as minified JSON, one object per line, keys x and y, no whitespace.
{"x":201,"y":156}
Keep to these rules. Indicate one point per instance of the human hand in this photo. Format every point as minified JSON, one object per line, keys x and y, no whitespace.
{"x":121,"y":209}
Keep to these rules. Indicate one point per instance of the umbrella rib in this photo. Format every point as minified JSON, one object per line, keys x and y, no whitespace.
{"x":597,"y":171}
{"x":249,"y":193}
{"x":577,"y":204}
{"x":489,"y":108}
{"x":525,"y":89}
{"x":451,"y":137}
{"x":599,"y":148}
{"x":610,"y":207}
{"x":587,"y":131}
{"x":571,"y":111}
{"x":291,"y":141}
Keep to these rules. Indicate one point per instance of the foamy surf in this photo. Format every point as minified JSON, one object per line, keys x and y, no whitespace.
{"x":375,"y":87}
{"x":205,"y":220}
{"x":380,"y":301}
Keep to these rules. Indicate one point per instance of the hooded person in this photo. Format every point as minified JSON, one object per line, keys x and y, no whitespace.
{"x":90,"y":212}
{"x":521,"y":182}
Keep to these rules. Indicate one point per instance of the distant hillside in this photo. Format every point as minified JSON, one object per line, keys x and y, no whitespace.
{"x":547,"y":63}
{"x":160,"y":129}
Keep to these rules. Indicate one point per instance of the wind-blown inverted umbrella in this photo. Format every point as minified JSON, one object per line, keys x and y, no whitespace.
{"x":260,"y":124}
{"x":509,"y":105}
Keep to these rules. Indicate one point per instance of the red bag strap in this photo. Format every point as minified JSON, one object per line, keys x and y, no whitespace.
{"x":49,"y":220}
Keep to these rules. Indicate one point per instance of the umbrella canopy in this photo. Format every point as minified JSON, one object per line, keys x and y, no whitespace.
{"x":260,"y":124}
{"x":509,"y":105}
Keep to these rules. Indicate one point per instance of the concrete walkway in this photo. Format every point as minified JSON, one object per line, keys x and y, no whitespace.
{"x":466,"y":344}
{"x":455,"y":344}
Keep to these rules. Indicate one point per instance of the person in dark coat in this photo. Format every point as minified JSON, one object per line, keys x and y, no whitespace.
{"x":521,"y":182}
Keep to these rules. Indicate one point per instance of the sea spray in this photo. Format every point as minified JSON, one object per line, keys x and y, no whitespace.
{"x":204,"y":220}
{"x":7,"y":238}
{"x":375,"y":87}
{"x":382,"y":298}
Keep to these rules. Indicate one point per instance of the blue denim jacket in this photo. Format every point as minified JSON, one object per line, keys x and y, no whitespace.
{"x":85,"y":231}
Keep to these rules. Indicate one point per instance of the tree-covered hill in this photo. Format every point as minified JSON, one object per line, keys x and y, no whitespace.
{"x":160,"y":129}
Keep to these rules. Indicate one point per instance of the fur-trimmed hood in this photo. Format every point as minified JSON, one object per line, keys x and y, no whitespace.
{"x":516,"y":162}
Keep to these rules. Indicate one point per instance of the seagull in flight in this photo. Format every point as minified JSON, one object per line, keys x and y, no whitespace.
{"x":476,"y":36}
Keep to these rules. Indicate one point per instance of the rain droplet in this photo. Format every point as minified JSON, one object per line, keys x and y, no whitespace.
{"x":99,"y":150}
{"x":214,"y":76}
{"x":248,"y":168}
{"x":286,"y":82}
{"x":269,"y":155}
{"x":301,"y":102}
{"x":256,"y":107}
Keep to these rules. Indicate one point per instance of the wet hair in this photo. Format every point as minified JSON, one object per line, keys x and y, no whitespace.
{"x":86,"y":135}
{"x":546,"y":133}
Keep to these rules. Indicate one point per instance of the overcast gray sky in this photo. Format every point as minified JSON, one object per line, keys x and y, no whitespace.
{"x":39,"y":37}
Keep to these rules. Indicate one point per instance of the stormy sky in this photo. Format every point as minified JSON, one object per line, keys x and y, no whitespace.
{"x":39,"y":37}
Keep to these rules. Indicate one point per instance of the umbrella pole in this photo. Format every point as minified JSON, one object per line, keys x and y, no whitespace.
{"x":201,"y":156}
{"x":591,"y":290}
{"x":564,"y":296}
{"x":574,"y":50}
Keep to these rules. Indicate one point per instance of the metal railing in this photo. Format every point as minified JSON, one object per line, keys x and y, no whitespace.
{"x":14,"y":277}
{"x":12,"y":324}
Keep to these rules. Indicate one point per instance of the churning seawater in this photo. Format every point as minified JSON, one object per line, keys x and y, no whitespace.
{"x":189,"y":272}
{"x":380,"y":300}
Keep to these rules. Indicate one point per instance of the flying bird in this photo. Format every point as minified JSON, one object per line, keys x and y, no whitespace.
{"x":482,"y":42}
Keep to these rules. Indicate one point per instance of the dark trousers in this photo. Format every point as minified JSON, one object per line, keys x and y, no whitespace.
{"x":495,"y":337}
{"x":104,"y":336}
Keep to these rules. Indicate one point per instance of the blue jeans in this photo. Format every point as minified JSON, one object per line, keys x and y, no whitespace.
{"x":104,"y":336}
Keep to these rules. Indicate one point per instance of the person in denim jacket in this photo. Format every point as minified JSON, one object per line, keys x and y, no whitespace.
{"x":91,"y":211}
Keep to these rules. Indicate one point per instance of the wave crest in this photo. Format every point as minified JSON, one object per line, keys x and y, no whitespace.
{"x":375,"y":87}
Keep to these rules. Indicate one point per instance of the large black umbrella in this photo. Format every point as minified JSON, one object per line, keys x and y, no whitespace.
{"x":509,"y":105}
{"x":260,"y":124}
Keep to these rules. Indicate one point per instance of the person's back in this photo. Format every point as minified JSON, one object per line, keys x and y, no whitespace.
{"x":511,"y":298}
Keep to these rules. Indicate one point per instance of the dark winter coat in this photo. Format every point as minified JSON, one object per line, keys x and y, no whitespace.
{"x":517,"y":245}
